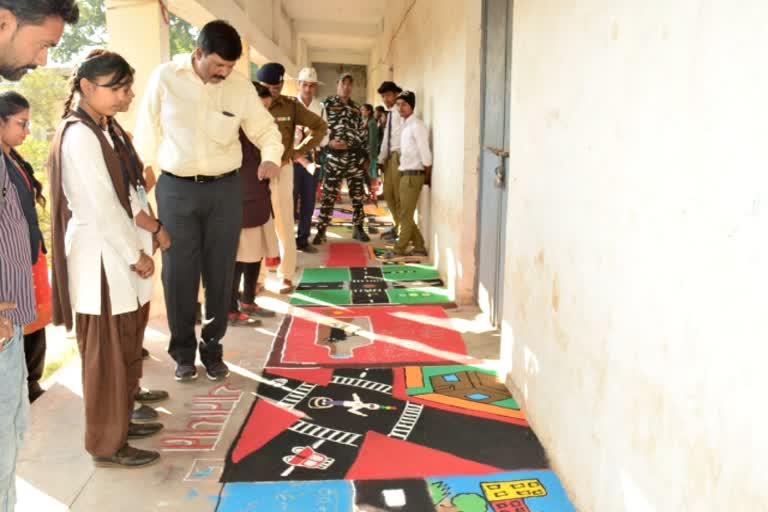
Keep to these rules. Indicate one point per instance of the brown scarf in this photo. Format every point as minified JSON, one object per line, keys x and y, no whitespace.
{"x":124,"y":147}
{"x":60,"y":213}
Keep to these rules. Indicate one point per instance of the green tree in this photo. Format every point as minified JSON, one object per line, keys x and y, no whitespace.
{"x":90,"y":31}
{"x":183,"y":36}
{"x":46,"y":89}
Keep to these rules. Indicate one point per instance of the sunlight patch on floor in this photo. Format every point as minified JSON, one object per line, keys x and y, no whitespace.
{"x":32,"y":499}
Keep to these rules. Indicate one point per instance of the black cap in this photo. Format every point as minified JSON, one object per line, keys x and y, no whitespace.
{"x":389,"y":87}
{"x":408,"y":97}
{"x":270,"y":73}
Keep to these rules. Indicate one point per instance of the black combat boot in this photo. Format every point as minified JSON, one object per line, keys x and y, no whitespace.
{"x":360,"y":234}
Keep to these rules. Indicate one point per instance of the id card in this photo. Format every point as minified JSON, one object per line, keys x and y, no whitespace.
{"x":142,"y":197}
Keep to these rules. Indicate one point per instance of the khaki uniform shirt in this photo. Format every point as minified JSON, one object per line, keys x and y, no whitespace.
{"x":290,"y":113}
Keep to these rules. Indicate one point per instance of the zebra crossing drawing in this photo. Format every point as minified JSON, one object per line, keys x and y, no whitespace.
{"x":338,"y":420}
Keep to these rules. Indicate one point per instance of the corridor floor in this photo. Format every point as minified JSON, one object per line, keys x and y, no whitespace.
{"x":202,"y":420}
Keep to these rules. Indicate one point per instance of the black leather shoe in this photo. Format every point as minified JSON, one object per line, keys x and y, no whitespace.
{"x":35,"y":391}
{"x":185,"y":372}
{"x":359,"y":234}
{"x":151,"y":395}
{"x":127,"y":457}
{"x":319,"y":237}
{"x":144,"y":353}
{"x":142,"y":430}
{"x":144,"y":413}
{"x":309,"y":249}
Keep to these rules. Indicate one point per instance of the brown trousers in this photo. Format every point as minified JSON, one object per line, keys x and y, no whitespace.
{"x":110,"y":349}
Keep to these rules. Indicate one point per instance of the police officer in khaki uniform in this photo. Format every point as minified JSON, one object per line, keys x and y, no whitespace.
{"x":288,"y":113}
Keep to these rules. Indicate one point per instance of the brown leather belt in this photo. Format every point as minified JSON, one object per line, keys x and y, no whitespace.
{"x":412,"y":173}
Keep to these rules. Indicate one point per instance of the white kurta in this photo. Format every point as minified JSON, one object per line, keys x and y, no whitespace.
{"x":100,"y":232}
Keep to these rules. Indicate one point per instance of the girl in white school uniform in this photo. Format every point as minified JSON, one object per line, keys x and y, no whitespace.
{"x":102,"y":268}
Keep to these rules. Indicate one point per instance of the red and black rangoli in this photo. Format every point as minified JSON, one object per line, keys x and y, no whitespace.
{"x":382,"y":423}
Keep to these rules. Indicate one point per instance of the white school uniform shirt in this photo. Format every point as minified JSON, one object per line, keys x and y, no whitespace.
{"x":392,"y":139}
{"x":99,"y":232}
{"x":188,"y":127}
{"x":414,"y":145}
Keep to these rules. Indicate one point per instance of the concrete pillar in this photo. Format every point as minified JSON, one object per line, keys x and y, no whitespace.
{"x":138,"y":31}
{"x":277,"y":6}
{"x":302,"y":59}
{"x":244,"y":64}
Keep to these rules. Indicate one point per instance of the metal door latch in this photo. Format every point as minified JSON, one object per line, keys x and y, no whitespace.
{"x":499,"y":171}
{"x":499,"y":152}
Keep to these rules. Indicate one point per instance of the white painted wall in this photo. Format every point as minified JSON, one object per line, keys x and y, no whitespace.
{"x":284,"y":32}
{"x":260,"y":14}
{"x":637,"y":249}
{"x":434,"y":50}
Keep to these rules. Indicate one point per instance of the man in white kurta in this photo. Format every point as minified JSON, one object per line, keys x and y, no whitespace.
{"x":188,"y":128}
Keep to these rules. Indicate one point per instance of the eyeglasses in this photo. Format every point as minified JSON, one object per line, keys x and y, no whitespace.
{"x":24,"y":123}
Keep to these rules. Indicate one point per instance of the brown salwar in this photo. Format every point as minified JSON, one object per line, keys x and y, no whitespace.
{"x":110,"y":349}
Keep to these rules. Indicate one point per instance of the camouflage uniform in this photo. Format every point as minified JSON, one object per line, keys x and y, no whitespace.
{"x":345,"y":123}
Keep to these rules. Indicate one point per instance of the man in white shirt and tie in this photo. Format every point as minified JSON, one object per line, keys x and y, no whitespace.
{"x":188,"y":128}
{"x":389,"y":154}
{"x":415,"y":171}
